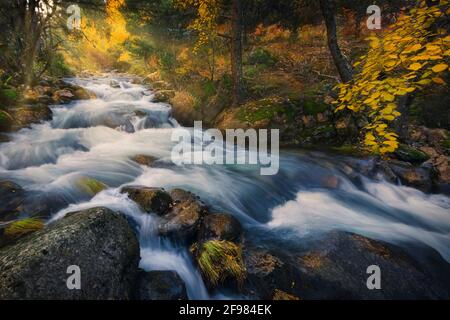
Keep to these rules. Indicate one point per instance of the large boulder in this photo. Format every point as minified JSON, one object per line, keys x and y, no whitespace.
{"x":151,"y":200}
{"x":63,"y":96}
{"x":183,"y":219}
{"x":99,"y":241}
{"x":220,"y":226}
{"x":26,"y":115}
{"x":160,"y":285}
{"x":334,"y":266}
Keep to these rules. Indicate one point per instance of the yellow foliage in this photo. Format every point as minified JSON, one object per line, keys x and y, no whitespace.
{"x":404,"y":59}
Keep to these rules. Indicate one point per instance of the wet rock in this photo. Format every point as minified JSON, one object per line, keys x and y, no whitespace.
{"x":410,"y":154}
{"x":416,"y":177}
{"x":89,"y":186}
{"x":160,"y":285}
{"x":163,"y":95}
{"x":4,"y":138}
{"x":26,"y":115}
{"x":114,"y":84}
{"x":334,"y":267}
{"x":442,"y":164}
{"x":183,"y":219}
{"x":220,"y":226}
{"x":83,"y":94}
{"x":151,"y":200}
{"x":99,"y":241}
{"x":144,"y":160}
{"x":281,"y":295}
{"x":116,"y":121}
{"x":268,"y":271}
{"x":11,"y":198}
{"x":62,"y":96}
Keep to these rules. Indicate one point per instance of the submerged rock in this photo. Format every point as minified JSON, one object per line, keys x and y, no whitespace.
{"x":151,"y":200}
{"x":99,"y":241}
{"x":220,"y":226}
{"x":144,"y":160}
{"x":89,"y":186}
{"x":183,"y":219}
{"x":159,"y":285}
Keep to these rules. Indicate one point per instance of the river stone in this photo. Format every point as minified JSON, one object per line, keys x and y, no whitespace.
{"x":11,"y":198}
{"x":151,"y":200}
{"x":144,"y":160}
{"x":62,"y":96}
{"x":160,"y":285}
{"x":163,"y":95}
{"x":26,"y":115}
{"x":97,"y":240}
{"x":183,"y":219}
{"x":416,"y":177}
{"x":220,"y":226}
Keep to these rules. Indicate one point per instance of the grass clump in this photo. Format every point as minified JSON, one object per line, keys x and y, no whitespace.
{"x":219,"y":260}
{"x":23,"y":227}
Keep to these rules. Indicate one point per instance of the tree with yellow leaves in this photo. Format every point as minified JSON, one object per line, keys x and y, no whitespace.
{"x":410,"y":56}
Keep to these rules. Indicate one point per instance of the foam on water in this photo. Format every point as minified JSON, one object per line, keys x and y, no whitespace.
{"x":97,"y":138}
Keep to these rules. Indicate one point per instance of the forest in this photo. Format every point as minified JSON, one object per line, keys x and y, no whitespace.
{"x":91,"y":91}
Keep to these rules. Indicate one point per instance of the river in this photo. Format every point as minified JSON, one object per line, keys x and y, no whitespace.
{"x":97,"y":138}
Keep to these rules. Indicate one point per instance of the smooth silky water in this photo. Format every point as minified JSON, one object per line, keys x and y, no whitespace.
{"x":98,"y":137}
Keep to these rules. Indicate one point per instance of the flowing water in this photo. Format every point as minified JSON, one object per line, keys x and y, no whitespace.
{"x":97,"y":138}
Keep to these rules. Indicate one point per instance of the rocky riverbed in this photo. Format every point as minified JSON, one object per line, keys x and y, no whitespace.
{"x":89,"y":183}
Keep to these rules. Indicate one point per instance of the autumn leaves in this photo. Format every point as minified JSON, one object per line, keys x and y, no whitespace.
{"x":410,"y":56}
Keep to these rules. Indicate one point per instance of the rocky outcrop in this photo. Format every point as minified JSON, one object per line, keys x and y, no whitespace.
{"x":163,"y":95}
{"x":220,"y":226}
{"x":99,"y":241}
{"x":25,"y":115}
{"x":11,"y":198}
{"x":334,"y":266}
{"x":159,"y":285}
{"x":151,"y":200}
{"x":183,"y":219}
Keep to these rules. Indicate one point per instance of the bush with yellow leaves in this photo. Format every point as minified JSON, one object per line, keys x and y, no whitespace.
{"x":410,"y":56}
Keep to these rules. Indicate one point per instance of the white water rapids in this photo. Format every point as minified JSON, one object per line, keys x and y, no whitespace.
{"x":97,"y":138}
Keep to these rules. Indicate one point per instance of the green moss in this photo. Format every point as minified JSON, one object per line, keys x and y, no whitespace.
{"x":410,"y":154}
{"x":90,"y":186}
{"x":219,"y":260}
{"x":262,"y":56}
{"x":23,"y":227}
{"x":312,"y":107}
{"x":266,"y":109}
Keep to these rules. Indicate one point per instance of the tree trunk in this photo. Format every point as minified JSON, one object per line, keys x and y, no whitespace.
{"x":236,"y":51}
{"x":342,"y":65}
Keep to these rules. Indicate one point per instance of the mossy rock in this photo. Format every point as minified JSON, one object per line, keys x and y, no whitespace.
{"x":151,"y":200}
{"x":90,"y":186}
{"x":312,"y":107}
{"x":410,"y":154}
{"x":266,"y":110}
{"x":10,"y":232}
{"x":219,"y":260}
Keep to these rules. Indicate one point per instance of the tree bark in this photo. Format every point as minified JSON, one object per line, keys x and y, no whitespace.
{"x":236,"y":51}
{"x":343,"y":66}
